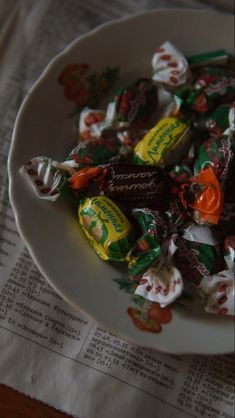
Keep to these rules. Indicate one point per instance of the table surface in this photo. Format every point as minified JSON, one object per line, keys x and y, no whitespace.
{"x":16,"y":405}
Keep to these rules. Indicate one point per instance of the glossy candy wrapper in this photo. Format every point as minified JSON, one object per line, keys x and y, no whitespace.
{"x":50,"y":178}
{"x":132,"y":105}
{"x":148,"y":247}
{"x":219,"y":153}
{"x":218,"y":57}
{"x":216,"y":123}
{"x":207,"y":94}
{"x":203,"y":197}
{"x":164,"y":144}
{"x":135,"y":185}
{"x":106,"y":227}
{"x":96,"y":151}
{"x":196,"y":260}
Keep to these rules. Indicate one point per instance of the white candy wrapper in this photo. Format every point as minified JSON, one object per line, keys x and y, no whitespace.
{"x":91,"y":123}
{"x":170,"y":67}
{"x":44,"y":175}
{"x":219,"y":290}
{"x":162,"y":283}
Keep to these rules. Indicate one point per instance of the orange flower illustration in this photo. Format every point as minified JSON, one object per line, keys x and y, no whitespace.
{"x":150,"y":317}
{"x":76,"y":86}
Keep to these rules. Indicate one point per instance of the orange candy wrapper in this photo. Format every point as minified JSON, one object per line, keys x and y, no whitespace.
{"x":208,"y":202}
{"x":82,"y":178}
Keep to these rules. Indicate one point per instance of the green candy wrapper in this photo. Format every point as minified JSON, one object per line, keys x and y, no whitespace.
{"x":147,"y":248}
{"x":95,"y":152}
{"x":132,"y":105}
{"x":218,"y":57}
{"x":216,"y":123}
{"x":219,"y":153}
{"x":197,"y":260}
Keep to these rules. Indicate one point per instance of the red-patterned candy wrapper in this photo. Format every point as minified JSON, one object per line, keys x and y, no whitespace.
{"x":219,"y":293}
{"x":197,"y":260}
{"x":209,"y":92}
{"x":96,"y":151}
{"x":162,"y":282}
{"x":46,"y":176}
{"x":91,"y":123}
{"x":216,"y":123}
{"x":219,"y":153}
{"x":175,"y":212}
{"x":132,"y":105}
{"x":180,"y":173}
{"x":170,"y":67}
{"x":219,"y":289}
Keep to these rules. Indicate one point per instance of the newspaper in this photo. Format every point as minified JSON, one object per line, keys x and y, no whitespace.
{"x":50,"y":351}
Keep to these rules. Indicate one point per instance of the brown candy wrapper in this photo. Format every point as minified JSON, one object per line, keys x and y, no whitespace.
{"x":135,"y":184}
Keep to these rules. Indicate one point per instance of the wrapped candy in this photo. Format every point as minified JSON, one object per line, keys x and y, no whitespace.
{"x":164,"y":144}
{"x":219,"y":292}
{"x":47,"y":176}
{"x":205,"y":96}
{"x":162,"y":282}
{"x":203,"y":196}
{"x":134,"y":184}
{"x":216,"y":123}
{"x":170,"y":67}
{"x":96,"y":151}
{"x":91,"y":123}
{"x":132,"y":105}
{"x":196,"y":260}
{"x":106,"y":227}
{"x":217,"y":57}
{"x":180,"y":173}
{"x":219,"y":153}
{"x":219,"y":289}
{"x":147,"y":248}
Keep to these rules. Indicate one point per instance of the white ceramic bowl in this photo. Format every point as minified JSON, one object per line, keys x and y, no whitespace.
{"x":51,"y":231}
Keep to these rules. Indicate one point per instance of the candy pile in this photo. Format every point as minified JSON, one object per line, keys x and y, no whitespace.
{"x":161,"y":199}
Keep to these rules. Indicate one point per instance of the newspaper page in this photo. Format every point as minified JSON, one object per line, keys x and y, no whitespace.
{"x":50,"y":351}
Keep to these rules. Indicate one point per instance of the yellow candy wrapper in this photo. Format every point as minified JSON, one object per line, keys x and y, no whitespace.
{"x":106,"y":227}
{"x":164,"y":144}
